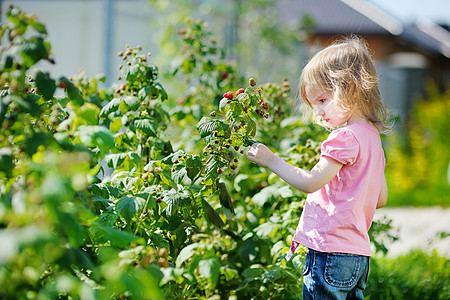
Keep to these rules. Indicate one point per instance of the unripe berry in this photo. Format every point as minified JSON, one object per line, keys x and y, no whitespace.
{"x":252,"y":82}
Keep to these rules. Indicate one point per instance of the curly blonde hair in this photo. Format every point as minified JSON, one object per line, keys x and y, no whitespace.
{"x":346,"y":71}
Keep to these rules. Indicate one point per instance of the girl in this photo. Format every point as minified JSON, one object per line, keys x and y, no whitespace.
{"x":347,"y":184}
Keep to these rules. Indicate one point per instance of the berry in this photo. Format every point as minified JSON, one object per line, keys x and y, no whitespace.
{"x":239,"y":91}
{"x":266,"y":106}
{"x":213,"y":114}
{"x":228,"y":95}
{"x":252,"y":82}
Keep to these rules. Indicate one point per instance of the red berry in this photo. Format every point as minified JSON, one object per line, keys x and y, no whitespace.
{"x":239,"y":91}
{"x":228,"y":95}
{"x":266,"y":106}
{"x":261,"y":102}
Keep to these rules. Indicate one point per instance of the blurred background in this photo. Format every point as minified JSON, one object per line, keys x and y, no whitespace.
{"x":271,"y":40}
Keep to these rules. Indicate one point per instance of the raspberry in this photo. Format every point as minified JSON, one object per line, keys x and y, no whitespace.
{"x":228,"y":95}
{"x":261,"y":102}
{"x":239,"y":91}
{"x":266,"y":106}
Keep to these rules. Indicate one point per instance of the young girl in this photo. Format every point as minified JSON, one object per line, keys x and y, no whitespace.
{"x":347,"y":184}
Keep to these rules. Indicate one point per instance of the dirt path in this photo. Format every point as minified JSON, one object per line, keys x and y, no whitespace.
{"x":418,"y":228}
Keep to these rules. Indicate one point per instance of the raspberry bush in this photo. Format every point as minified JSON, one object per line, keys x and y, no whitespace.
{"x":114,"y":193}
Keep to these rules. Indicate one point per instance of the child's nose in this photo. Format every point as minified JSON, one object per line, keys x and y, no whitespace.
{"x":320,"y":112}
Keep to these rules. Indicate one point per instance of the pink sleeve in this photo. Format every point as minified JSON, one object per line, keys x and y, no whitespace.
{"x":342,"y":146}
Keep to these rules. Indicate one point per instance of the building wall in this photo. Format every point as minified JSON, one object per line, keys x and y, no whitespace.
{"x":77,"y":32}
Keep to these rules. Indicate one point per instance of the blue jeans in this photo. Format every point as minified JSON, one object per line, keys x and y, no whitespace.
{"x":334,"y":276}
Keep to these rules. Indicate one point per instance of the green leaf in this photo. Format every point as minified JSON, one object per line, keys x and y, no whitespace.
{"x":96,"y":136}
{"x":32,"y":143}
{"x":46,"y":86}
{"x":161,"y":92}
{"x":272,"y":275}
{"x":253,"y":272}
{"x":6,"y":158}
{"x":206,"y":126}
{"x":89,"y":112}
{"x":73,"y":92}
{"x":178,"y":174}
{"x":101,"y":234}
{"x":211,"y":170}
{"x":193,"y":166}
{"x":133,"y":103}
{"x":175,"y":200}
{"x":33,"y":51}
{"x":127,"y":160}
{"x":210,"y":268}
{"x":145,"y":126}
{"x":128,"y":206}
{"x":159,"y":241}
{"x":27,"y":104}
{"x":225,"y":198}
{"x":109,"y":108}
{"x":39,"y":27}
{"x":186,"y":253}
{"x":251,"y":127}
{"x":211,"y":214}
{"x":223,"y":103}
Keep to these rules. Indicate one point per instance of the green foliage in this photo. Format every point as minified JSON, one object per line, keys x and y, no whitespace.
{"x":416,"y":275}
{"x":175,"y":213}
{"x":418,"y":169}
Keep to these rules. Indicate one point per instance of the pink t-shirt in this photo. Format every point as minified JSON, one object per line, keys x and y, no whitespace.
{"x":337,"y":217}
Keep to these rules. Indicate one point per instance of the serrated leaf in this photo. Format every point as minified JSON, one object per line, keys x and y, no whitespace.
{"x":225,"y":198}
{"x":115,"y":159}
{"x":251,"y":127}
{"x":128,"y":206}
{"x":144,"y":126}
{"x":223,"y":103}
{"x":178,"y":174}
{"x":206,"y":126}
{"x":211,"y":169}
{"x":109,"y":108}
{"x":193,"y":166}
{"x":132,"y":103}
{"x":159,"y":241}
{"x":211,"y":214}
{"x":175,"y":200}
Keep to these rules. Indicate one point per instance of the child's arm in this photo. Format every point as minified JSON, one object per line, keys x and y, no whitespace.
{"x":306,"y":181}
{"x":382,"y":199}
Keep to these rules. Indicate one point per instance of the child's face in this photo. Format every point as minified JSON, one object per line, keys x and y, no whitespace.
{"x":325,"y":107}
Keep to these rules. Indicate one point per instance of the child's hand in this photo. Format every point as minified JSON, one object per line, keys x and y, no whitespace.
{"x":260,"y":154}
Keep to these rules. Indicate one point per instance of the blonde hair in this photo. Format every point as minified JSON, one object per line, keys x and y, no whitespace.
{"x":346,"y":71}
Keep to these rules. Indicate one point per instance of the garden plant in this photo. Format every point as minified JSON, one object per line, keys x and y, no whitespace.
{"x":117,"y":193}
